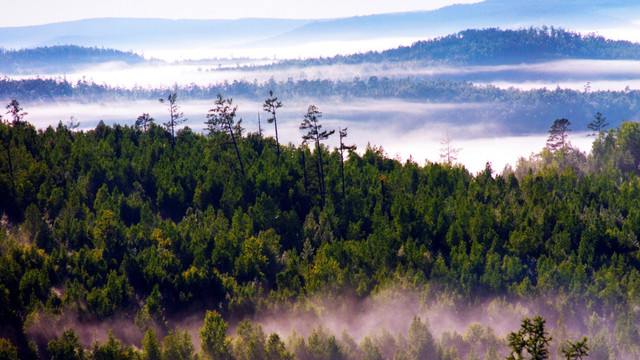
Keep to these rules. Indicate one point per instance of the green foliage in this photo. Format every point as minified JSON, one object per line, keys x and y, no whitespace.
{"x":531,"y":340}
{"x":576,"y":350}
{"x":115,"y":220}
{"x":213,"y":336}
{"x":7,"y":350}
{"x":151,"y":346}
{"x":66,"y":347}
{"x":177,"y":346}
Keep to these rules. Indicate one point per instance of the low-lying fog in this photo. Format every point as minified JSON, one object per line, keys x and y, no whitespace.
{"x":572,"y":74}
{"x":403,"y":129}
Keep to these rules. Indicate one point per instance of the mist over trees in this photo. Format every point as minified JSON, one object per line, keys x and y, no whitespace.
{"x":180,"y":242}
{"x":515,"y":111}
{"x":119,"y":222}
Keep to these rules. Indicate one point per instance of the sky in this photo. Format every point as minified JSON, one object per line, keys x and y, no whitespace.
{"x":47,"y":11}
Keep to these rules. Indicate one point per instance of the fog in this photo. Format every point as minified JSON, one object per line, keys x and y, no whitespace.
{"x":403,"y":129}
{"x":391,"y":309}
{"x":570,"y":74}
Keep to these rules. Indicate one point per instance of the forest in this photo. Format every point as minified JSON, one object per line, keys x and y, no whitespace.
{"x":493,"y":46}
{"x":515,"y":111}
{"x":60,"y":58}
{"x":143,"y":226}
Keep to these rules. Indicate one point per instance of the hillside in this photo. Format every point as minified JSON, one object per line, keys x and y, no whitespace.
{"x":493,"y":47}
{"x":128,"y":227}
{"x":50,"y":59}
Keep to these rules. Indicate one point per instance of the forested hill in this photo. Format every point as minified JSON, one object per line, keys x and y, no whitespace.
{"x":60,"y":58}
{"x":122,"y":223}
{"x":496,"y":46}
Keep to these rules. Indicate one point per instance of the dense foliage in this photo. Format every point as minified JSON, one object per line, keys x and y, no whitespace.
{"x":118,"y":220}
{"x":493,"y":46}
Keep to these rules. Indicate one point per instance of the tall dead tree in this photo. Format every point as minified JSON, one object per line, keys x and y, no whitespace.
{"x":311,"y":124}
{"x":343,"y":147}
{"x":271,"y":104}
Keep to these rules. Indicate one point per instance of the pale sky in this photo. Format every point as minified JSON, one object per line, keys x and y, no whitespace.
{"x":36,"y":12}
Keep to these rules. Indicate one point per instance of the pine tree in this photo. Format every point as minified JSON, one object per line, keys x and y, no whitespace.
{"x":311,"y":124}
{"x":532,"y":338}
{"x":598,"y":124}
{"x":221,"y":119}
{"x":558,"y":135}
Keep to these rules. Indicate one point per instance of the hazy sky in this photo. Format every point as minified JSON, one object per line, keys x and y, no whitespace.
{"x":35,"y":12}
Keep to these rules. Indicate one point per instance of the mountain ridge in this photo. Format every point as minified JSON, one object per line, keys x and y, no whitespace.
{"x":140,"y":33}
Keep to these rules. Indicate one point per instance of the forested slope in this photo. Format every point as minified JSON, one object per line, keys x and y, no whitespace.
{"x":60,"y":58}
{"x":128,"y":220}
{"x":494,"y":46}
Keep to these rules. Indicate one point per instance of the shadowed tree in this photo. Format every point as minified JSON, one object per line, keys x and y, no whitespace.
{"x":67,"y":347}
{"x":175,"y":116}
{"x":303,"y":148}
{"x":598,"y":124}
{"x":17,"y":113}
{"x":310,"y":123}
{"x":558,"y":135}
{"x":221,"y":119}
{"x":270,"y":105}
{"x":343,"y":147}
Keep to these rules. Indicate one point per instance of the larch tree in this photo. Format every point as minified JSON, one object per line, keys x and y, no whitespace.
{"x":271,"y":104}
{"x":176,"y":117}
{"x":558,"y":135}
{"x":221,"y":119}
{"x":311,"y":124}
{"x":448,"y":153}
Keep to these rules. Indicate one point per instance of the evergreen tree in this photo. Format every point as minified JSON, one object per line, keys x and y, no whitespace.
{"x":558,"y":135}
{"x":66,"y":347}
{"x":532,"y":338}
{"x":598,"y":124}
{"x":221,"y":119}
{"x":213,"y":334}
{"x":576,"y":350}
{"x":151,"y":346}
{"x":144,"y":121}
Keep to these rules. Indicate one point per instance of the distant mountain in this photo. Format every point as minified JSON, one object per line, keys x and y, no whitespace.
{"x":590,"y":15}
{"x":60,"y":58}
{"x":142,"y":34}
{"x":136,"y":34}
{"x":492,"y":47}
